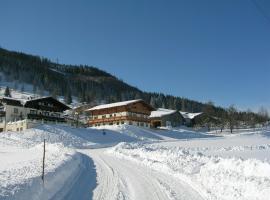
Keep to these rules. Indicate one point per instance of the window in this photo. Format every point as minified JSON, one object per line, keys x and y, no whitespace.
{"x":122,"y":122}
{"x":103,"y":116}
{"x":21,"y":129}
{"x":110,"y":115}
{"x":33,"y":112}
{"x":17,"y":129}
{"x":117,"y":123}
{"x":111,"y":123}
{"x":55,"y":114}
{"x":95,"y":117}
{"x":130,"y":122}
{"x":141,"y":124}
{"x":16,"y":110}
{"x":114,"y":115}
{"x":46,"y":113}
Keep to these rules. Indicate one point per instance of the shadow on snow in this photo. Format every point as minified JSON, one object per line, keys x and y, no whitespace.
{"x":84,"y":185}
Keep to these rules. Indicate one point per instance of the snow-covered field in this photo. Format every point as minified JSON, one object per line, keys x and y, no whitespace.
{"x":228,"y":167}
{"x":127,"y":162}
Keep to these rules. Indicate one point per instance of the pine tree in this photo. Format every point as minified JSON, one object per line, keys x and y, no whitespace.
{"x":82,"y":97}
{"x":68,"y":98}
{"x":7,"y":92}
{"x":183,"y":105}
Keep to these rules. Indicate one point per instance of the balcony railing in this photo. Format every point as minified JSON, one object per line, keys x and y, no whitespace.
{"x":45,"y":117}
{"x":112,"y":119}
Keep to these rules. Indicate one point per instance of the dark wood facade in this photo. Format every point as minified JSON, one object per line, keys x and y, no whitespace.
{"x":173,"y":120}
{"x":134,"y":113}
{"x":46,"y":104}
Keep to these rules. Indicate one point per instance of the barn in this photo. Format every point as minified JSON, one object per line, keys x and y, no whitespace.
{"x":165,"y":118}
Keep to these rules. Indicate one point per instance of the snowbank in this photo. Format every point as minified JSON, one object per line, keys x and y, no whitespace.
{"x":20,"y":170}
{"x":95,"y":137}
{"x":213,"y":177}
{"x":68,"y":136}
{"x":152,"y":135}
{"x":135,"y":132}
{"x":91,"y":137}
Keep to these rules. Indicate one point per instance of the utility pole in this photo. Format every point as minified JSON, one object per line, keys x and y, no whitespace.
{"x":43,"y":163}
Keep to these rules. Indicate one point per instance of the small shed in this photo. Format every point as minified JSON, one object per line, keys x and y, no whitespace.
{"x":165,"y":118}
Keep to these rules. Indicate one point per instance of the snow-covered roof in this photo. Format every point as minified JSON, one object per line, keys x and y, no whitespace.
{"x":188,"y":115}
{"x":117,"y":104}
{"x":160,"y":112}
{"x":23,"y":102}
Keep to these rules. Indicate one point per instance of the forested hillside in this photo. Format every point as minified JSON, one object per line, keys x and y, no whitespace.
{"x":86,"y":82}
{"x":91,"y":84}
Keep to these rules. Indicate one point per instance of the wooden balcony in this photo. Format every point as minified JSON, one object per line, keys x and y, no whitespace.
{"x":45,"y":117}
{"x":119,"y":119}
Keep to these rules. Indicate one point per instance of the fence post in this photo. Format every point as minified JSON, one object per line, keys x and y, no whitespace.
{"x":43,"y":162}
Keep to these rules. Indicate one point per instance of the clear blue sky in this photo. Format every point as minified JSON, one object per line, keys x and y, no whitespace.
{"x":215,"y":50}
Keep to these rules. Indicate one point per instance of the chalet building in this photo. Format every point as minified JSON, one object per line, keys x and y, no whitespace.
{"x":77,"y":116}
{"x":165,"y":118}
{"x":190,"y":118}
{"x":134,"y":112}
{"x":20,"y":114}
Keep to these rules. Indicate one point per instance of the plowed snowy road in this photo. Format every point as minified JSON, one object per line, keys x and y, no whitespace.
{"x":122,"y":179}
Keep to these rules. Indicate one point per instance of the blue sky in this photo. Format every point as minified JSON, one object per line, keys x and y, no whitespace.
{"x":215,"y":50}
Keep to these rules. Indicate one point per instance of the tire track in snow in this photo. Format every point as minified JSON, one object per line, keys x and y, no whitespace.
{"x":170,"y":193}
{"x":110,"y":185}
{"x":120,"y":179}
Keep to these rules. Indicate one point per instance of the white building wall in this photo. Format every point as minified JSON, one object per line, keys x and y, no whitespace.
{"x":24,"y":124}
{"x":17,"y":121}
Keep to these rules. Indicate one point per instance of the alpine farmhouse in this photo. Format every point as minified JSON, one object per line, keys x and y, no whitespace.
{"x":21,"y":114}
{"x":133,"y":112}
